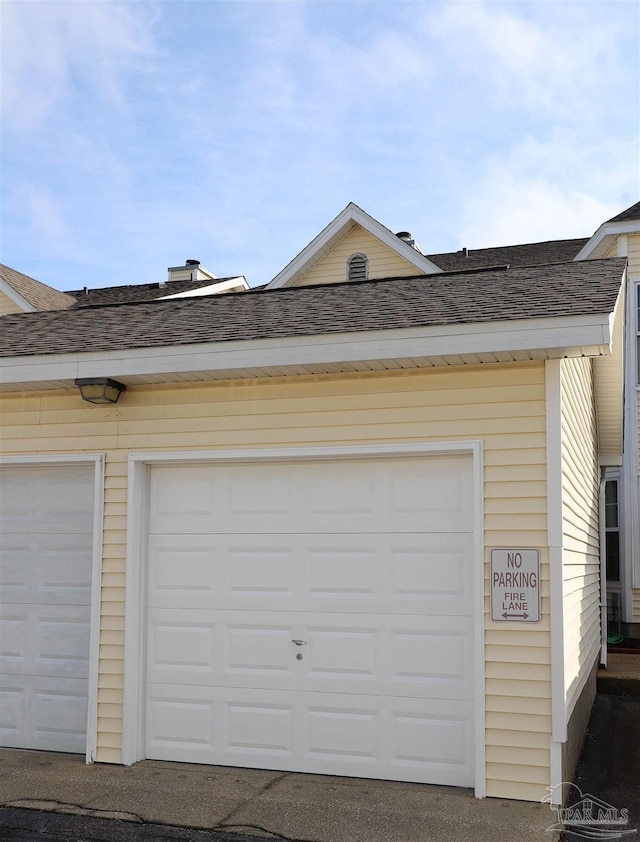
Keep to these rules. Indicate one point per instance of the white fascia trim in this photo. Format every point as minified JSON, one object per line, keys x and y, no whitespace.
{"x":555,"y":335}
{"x":135,"y":586}
{"x":609,"y":229}
{"x":553,"y":401}
{"x":15,"y":296}
{"x":98,"y":461}
{"x":343,"y":222}
{"x":212,"y":289}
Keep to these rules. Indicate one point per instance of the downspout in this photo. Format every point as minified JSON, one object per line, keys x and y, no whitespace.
{"x":603,"y":571}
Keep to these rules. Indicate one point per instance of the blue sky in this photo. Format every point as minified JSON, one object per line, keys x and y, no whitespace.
{"x":139,"y":134}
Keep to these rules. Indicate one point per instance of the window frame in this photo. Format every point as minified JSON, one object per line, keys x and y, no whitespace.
{"x":613,"y":529}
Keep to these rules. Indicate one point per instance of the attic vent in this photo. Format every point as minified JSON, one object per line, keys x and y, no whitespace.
{"x":357,"y":267}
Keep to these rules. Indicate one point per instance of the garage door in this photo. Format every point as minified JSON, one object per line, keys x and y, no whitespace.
{"x":313,"y":616}
{"x":46,"y":521}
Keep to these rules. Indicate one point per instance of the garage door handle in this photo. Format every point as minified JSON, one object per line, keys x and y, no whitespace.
{"x":299,"y":642}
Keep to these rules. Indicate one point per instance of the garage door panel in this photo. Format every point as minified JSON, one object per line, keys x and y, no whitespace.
{"x":46,"y":517}
{"x":402,"y":739}
{"x":388,"y":573}
{"x":48,"y":714}
{"x":44,"y":640}
{"x":384,"y":495}
{"x":46,"y":569}
{"x":59,"y":499}
{"x":383,"y":654}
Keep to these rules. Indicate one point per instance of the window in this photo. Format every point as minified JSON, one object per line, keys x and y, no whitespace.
{"x":612,"y":530}
{"x":357,"y":266}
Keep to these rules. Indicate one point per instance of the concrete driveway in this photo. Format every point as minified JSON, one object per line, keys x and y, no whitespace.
{"x":308,"y":808}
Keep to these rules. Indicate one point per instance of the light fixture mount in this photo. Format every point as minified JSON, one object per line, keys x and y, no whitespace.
{"x":100,"y":390}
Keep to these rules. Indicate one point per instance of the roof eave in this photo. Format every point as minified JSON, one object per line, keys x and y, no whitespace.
{"x":407,"y":348}
{"x":602,"y":240}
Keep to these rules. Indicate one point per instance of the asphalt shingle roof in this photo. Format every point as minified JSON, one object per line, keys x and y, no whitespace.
{"x":39,"y":295}
{"x":528,"y":254}
{"x":630,"y":213}
{"x":579,"y":288}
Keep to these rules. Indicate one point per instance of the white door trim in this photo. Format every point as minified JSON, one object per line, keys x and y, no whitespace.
{"x":137,"y":517}
{"x":97,"y":460}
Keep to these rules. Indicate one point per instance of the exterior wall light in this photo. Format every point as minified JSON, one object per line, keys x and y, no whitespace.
{"x":99,"y":389}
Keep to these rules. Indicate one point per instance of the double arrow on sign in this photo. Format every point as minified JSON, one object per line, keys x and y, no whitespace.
{"x":515,"y":616}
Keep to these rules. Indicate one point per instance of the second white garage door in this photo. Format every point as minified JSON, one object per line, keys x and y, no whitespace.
{"x":313,"y":616}
{"x":46,"y":529}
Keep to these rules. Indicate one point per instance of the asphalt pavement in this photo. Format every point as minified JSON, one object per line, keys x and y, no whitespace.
{"x":20,"y":825}
{"x":609,"y":768}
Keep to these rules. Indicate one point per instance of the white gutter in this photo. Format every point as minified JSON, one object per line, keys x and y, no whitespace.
{"x":533,"y":338}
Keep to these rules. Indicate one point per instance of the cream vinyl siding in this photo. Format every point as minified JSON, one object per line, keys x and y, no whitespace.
{"x":608,"y":372}
{"x":633,"y":253}
{"x":504,"y":405}
{"x":383,"y":262}
{"x":581,"y":543}
{"x":7,"y":305}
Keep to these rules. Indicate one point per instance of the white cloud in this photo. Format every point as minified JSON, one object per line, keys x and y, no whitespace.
{"x":545,"y":190}
{"x":548,"y":58}
{"x":48,"y":47}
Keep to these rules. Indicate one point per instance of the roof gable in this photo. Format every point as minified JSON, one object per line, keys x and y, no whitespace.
{"x":31,"y":295}
{"x":627,"y":222}
{"x":382,"y":261}
{"x":335,"y":232}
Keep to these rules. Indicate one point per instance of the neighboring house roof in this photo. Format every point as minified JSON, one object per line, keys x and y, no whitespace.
{"x":136,"y":293}
{"x":529,"y":254}
{"x":567,"y":289}
{"x":30,"y":294}
{"x":630,"y":213}
{"x":346,"y":220}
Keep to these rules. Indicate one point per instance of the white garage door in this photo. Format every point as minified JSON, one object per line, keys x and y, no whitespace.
{"x":313,"y":616}
{"x":46,"y":522}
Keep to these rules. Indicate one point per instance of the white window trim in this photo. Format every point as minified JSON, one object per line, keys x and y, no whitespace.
{"x":135,"y":590}
{"x":97,"y":460}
